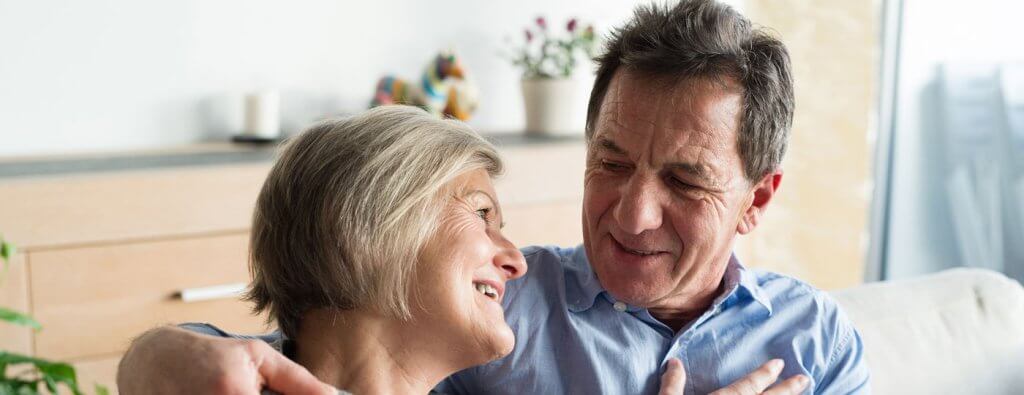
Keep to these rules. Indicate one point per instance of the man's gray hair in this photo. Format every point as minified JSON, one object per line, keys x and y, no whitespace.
{"x":347,"y":207}
{"x":707,"y":39}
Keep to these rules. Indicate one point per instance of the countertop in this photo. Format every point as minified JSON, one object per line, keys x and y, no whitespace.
{"x":202,"y":154}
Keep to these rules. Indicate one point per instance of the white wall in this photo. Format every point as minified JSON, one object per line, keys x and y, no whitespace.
{"x":121,"y":74}
{"x":922,"y":237}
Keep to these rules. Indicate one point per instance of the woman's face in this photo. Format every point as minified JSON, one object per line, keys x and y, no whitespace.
{"x":462,"y":273}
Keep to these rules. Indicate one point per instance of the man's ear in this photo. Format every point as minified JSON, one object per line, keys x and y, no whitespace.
{"x":760,"y":195}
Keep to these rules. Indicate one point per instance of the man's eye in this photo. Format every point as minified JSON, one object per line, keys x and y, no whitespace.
{"x":680,"y":184}
{"x":612,"y":166}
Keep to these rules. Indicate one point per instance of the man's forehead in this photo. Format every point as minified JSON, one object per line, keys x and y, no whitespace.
{"x":697,"y":104}
{"x":627,"y":132}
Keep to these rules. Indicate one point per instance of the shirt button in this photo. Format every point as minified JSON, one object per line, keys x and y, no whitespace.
{"x":619,"y":306}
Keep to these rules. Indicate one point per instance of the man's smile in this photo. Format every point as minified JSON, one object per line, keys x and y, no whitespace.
{"x":636,"y":254}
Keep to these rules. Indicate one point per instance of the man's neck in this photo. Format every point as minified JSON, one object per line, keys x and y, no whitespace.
{"x":366,"y":354}
{"x":688,"y":310}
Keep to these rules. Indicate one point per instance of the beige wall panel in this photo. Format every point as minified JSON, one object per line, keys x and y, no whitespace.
{"x":14,"y":295}
{"x":542,"y":173}
{"x":93,"y":300}
{"x":815,"y":228}
{"x":556,"y":223}
{"x":128,"y":205}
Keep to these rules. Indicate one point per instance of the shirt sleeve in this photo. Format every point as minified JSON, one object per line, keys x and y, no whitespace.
{"x":847,"y":371}
{"x":211,"y":330}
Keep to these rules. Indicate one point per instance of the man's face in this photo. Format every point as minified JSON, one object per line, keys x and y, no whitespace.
{"x":664,"y":190}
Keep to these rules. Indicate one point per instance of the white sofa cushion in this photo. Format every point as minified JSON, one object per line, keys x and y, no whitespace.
{"x":960,"y":331}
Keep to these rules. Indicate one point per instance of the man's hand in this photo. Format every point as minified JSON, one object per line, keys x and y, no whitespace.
{"x":674,"y":380}
{"x":171,"y":360}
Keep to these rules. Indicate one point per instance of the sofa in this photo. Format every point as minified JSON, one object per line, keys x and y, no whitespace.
{"x":959,"y":331}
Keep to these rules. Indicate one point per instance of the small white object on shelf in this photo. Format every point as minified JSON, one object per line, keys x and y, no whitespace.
{"x":263,"y":115}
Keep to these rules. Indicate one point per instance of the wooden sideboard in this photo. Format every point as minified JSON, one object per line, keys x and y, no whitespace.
{"x":105,"y":255}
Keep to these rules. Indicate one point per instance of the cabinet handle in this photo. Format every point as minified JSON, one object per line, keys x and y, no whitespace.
{"x":225,"y":291}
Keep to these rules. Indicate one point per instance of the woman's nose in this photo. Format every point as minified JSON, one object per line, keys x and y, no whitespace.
{"x":510,"y":260}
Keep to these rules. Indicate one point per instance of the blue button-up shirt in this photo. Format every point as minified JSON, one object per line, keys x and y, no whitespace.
{"x":574,"y":337}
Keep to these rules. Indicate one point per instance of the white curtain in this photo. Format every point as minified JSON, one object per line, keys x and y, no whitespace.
{"x":954,"y":173}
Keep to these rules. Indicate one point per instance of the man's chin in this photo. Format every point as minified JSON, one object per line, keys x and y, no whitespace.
{"x":638,"y":299}
{"x":630,"y":284}
{"x":633,"y":292}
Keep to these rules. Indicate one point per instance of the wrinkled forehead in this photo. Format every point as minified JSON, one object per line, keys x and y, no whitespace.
{"x":670,"y":115}
{"x":473,"y":184}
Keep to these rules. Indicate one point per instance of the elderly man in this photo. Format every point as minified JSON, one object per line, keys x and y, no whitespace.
{"x":687,"y":125}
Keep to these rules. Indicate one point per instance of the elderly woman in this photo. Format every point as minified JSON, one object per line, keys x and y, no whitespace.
{"x":377,"y":250}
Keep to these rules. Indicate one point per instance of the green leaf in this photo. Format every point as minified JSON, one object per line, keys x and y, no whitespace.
{"x":29,"y":388}
{"x":9,"y":358}
{"x":7,"y":250}
{"x":51,"y":384}
{"x":19,"y":387}
{"x":101,"y":390}
{"x":59,"y":371}
{"x":17,"y":318}
{"x":53,"y":373}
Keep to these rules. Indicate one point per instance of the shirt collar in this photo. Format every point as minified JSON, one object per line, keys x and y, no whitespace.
{"x":748,"y":282}
{"x":582,"y":287}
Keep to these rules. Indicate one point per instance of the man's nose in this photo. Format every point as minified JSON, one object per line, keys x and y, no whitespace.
{"x":639,"y":207}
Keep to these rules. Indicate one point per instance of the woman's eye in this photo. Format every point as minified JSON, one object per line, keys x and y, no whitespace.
{"x":484,"y":214}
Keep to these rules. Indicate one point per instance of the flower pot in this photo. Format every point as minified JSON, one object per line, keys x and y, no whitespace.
{"x":554,"y":106}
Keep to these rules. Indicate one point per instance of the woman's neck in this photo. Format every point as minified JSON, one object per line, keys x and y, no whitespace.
{"x":366,"y":353}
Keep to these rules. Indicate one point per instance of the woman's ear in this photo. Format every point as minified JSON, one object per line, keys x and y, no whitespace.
{"x":760,"y":195}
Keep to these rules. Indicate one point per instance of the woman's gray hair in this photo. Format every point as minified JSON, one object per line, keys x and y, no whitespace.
{"x":347,"y":208}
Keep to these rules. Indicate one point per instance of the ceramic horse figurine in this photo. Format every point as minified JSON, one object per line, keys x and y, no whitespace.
{"x":442,"y":90}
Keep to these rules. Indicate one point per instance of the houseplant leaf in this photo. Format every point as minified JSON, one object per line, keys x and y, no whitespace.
{"x":17,"y":318}
{"x":7,"y":250}
{"x":59,"y":372}
{"x":53,"y":373}
{"x":9,"y":358}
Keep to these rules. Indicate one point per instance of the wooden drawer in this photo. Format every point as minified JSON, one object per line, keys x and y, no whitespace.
{"x":102,"y":371}
{"x":90,"y":209}
{"x":93,"y":300}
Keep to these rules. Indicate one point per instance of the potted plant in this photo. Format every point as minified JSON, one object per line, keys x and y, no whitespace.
{"x":22,"y":374}
{"x":553,"y":99}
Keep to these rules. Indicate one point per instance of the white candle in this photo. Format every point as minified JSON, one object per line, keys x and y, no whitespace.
{"x":263,"y":114}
